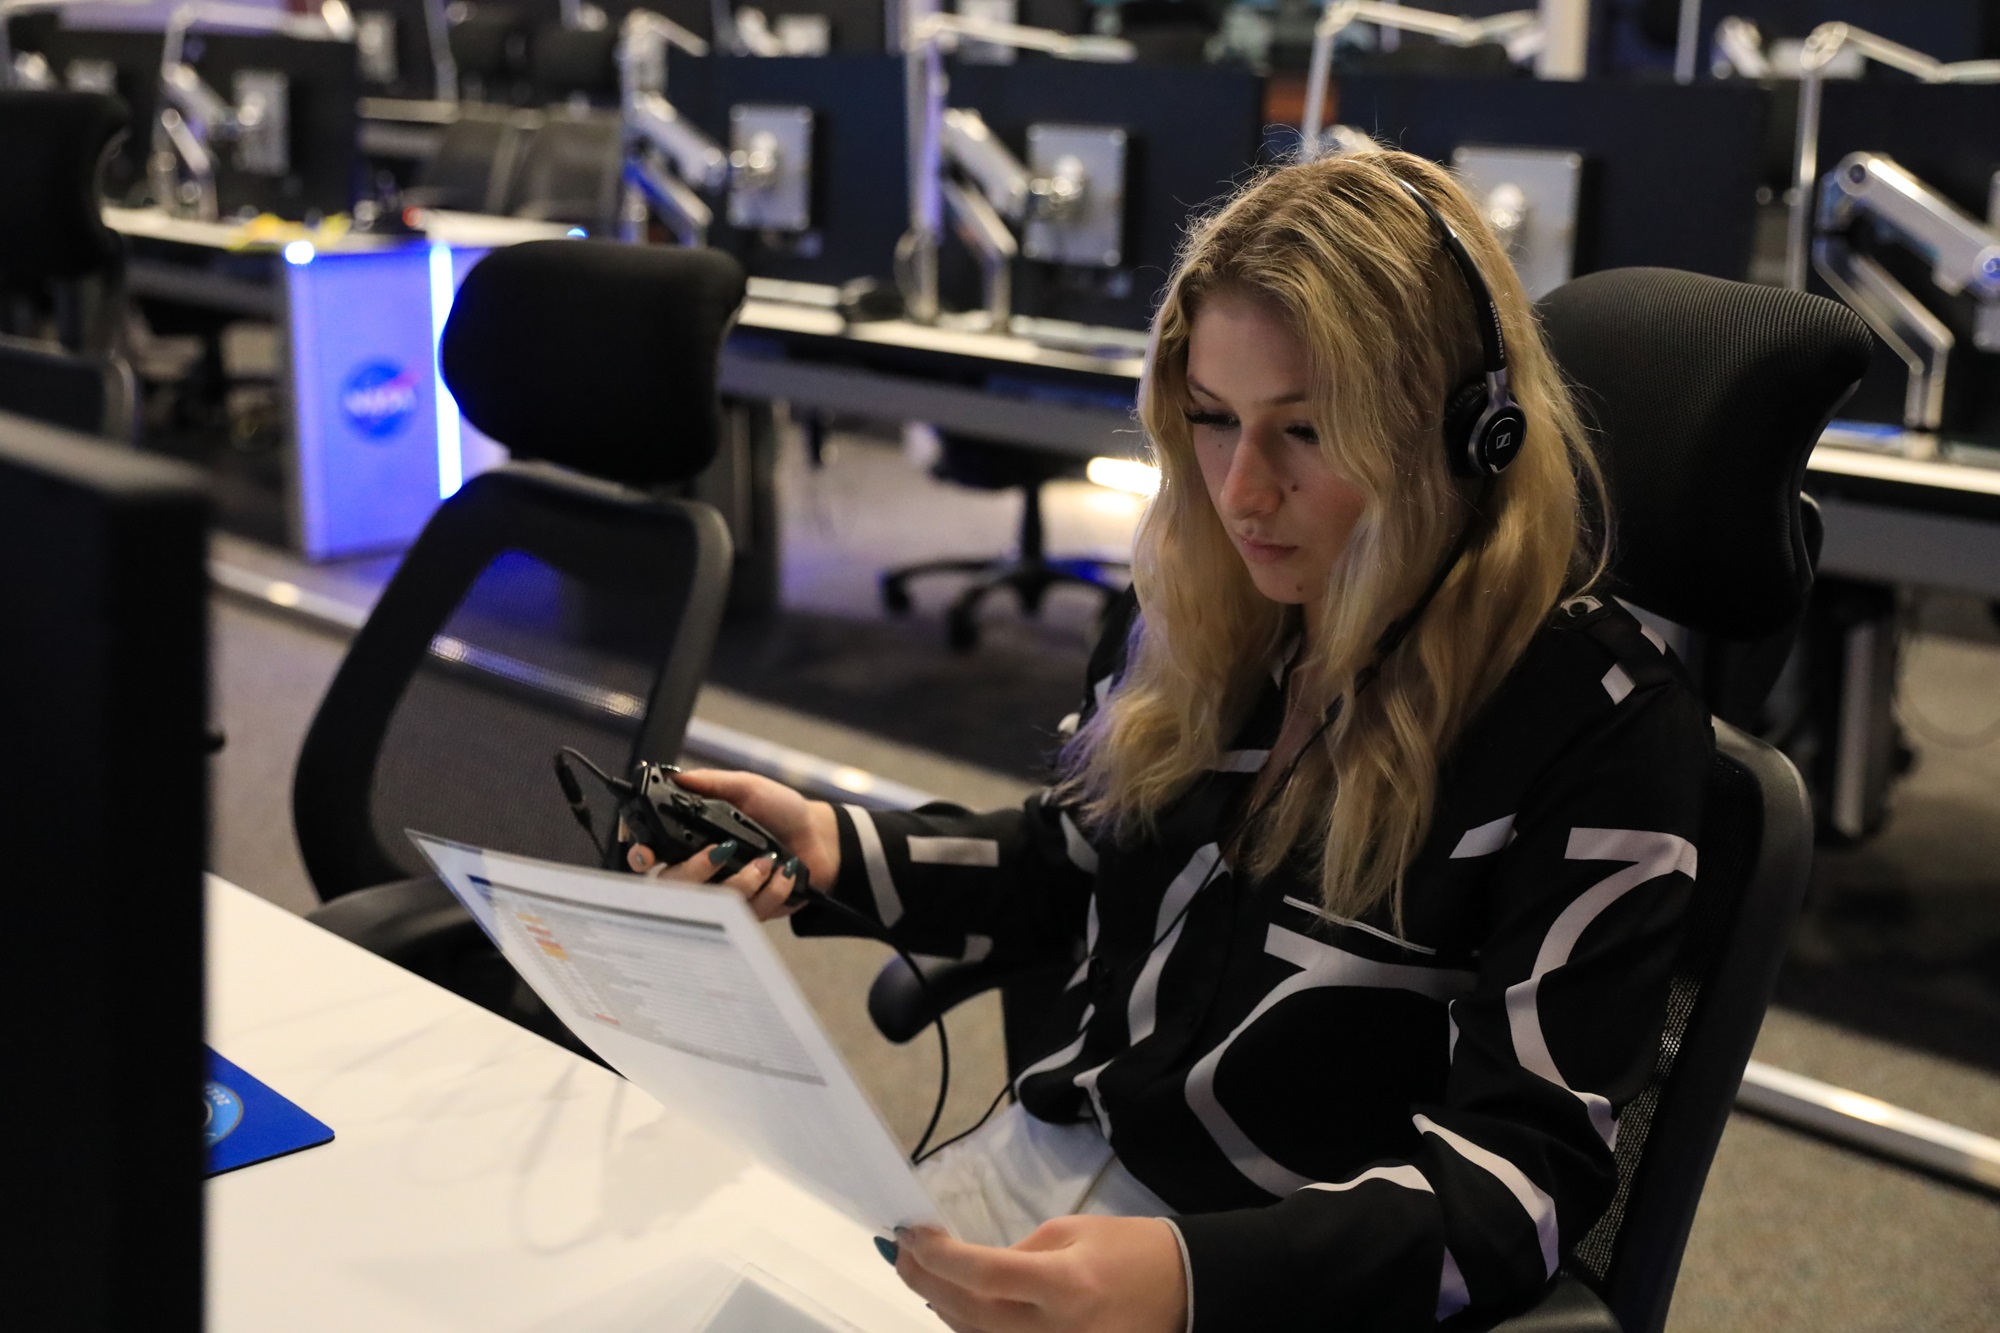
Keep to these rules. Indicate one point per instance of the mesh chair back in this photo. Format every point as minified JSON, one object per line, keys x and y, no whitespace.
{"x":1706,"y":398}
{"x":538,"y":609}
{"x":571,"y":172}
{"x":599,"y":356}
{"x":83,"y":394}
{"x":473,"y":168}
{"x":52,"y":145}
{"x":1756,"y":850}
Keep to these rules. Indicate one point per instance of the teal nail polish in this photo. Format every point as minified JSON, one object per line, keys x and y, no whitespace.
{"x":722,"y":852}
{"x":886,"y":1248}
{"x":793,"y":868}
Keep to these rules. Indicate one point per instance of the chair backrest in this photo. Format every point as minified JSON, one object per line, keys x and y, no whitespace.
{"x":1706,"y":398}
{"x":567,"y":62}
{"x":473,"y":168}
{"x":572,"y":171}
{"x":52,"y":145}
{"x":599,"y":356}
{"x":53,"y":241}
{"x":489,"y":44}
{"x":79,"y":393}
{"x":539,"y":607}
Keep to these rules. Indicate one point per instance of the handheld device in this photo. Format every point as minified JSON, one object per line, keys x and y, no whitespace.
{"x":660,"y":820}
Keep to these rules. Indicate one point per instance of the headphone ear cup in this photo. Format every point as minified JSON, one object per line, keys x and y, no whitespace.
{"x":1500,"y":439}
{"x":1462,"y":411}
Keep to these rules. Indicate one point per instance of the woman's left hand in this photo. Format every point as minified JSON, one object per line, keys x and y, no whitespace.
{"x":1073,"y":1275}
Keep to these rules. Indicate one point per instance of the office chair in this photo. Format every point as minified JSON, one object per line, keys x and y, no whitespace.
{"x":566,"y":63}
{"x":562,"y":599}
{"x":489,"y":43}
{"x":473,"y":168}
{"x":1705,"y":398}
{"x":571,"y":171}
{"x":79,"y":393}
{"x":1030,"y":573}
{"x":56,"y":254}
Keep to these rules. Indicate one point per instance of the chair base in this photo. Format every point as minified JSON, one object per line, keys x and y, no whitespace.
{"x":1029,"y":580}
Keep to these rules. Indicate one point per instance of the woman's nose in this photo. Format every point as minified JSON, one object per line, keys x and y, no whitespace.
{"x":1252,"y":486}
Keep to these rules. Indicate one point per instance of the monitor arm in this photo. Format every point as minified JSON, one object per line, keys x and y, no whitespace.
{"x":1739,"y":46}
{"x":1520,"y":31}
{"x":668,"y":162}
{"x":997,"y":185}
{"x":193,"y":116}
{"x":1964,"y":257}
{"x":1826,"y":42}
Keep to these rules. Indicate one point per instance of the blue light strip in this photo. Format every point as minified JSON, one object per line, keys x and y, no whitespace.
{"x":451,"y":460}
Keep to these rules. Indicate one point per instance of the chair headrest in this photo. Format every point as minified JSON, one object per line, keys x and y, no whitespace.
{"x":1705,"y":398}
{"x":51,"y":146}
{"x":595,"y":355}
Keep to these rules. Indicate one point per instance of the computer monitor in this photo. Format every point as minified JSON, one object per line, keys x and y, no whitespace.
{"x":858,"y":202}
{"x":103,"y":716}
{"x":124,"y":63}
{"x":1191,"y":133}
{"x":1940,"y":133}
{"x":321,"y":173}
{"x":1670,"y":175}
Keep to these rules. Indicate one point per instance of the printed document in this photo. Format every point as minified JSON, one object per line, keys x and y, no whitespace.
{"x":678,"y":988}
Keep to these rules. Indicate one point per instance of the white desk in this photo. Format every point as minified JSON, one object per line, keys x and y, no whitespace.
{"x":480,"y":1177}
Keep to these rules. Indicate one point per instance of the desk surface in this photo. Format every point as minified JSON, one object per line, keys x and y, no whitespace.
{"x":474,"y":231}
{"x":480,"y":1177}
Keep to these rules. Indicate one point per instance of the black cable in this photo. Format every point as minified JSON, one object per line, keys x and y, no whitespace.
{"x":969,"y":1130}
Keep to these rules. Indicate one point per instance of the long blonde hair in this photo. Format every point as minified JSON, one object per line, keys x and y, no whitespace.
{"x":1353,"y":265}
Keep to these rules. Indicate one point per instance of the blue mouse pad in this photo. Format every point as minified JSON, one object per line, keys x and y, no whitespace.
{"x":244,"y":1121}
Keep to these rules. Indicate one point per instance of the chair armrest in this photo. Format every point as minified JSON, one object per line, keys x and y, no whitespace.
{"x":414,"y":923}
{"x":902,"y":1008}
{"x":1567,"y":1306}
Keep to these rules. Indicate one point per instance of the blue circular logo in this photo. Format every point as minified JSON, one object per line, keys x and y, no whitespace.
{"x":378,"y":398}
{"x":222,"y":1111}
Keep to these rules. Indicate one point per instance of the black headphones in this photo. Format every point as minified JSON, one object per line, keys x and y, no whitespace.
{"x":1484,"y":427}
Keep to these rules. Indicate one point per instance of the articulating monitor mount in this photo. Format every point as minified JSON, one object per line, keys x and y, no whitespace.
{"x":1069,"y":204}
{"x":194,"y":117}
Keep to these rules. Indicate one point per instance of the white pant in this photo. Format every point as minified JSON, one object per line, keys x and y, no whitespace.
{"x":1016,"y":1172}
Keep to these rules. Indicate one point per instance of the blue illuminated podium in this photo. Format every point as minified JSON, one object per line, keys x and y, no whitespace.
{"x":375,"y":440}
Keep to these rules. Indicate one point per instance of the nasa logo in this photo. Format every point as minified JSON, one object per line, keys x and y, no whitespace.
{"x":222,"y":1112}
{"x":378,"y":398}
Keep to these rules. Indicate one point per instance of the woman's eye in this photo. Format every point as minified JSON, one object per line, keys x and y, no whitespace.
{"x":1303,"y":432}
{"x":1214,"y":420}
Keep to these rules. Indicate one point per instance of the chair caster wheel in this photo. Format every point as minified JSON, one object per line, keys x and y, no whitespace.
{"x":895,"y":597}
{"x":961,"y":631}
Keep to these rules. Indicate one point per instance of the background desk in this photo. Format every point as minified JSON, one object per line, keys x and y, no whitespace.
{"x":480,"y":1177}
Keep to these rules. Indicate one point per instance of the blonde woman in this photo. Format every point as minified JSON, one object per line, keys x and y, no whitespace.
{"x":1372,"y":840}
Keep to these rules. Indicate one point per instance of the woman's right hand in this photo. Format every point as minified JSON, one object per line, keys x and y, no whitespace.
{"x":808,"y":828}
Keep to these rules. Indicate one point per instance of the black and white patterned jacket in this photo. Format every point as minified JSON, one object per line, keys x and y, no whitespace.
{"x":1358,"y":1130}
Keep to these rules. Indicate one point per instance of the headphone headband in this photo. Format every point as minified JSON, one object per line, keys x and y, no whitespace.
{"x":1492,"y":342}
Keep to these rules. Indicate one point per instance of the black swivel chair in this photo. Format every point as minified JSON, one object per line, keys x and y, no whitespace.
{"x":562,"y":601}
{"x":58,"y":261}
{"x":572,"y":171}
{"x":473,"y":168}
{"x":1031,"y":572}
{"x":1706,"y":397}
